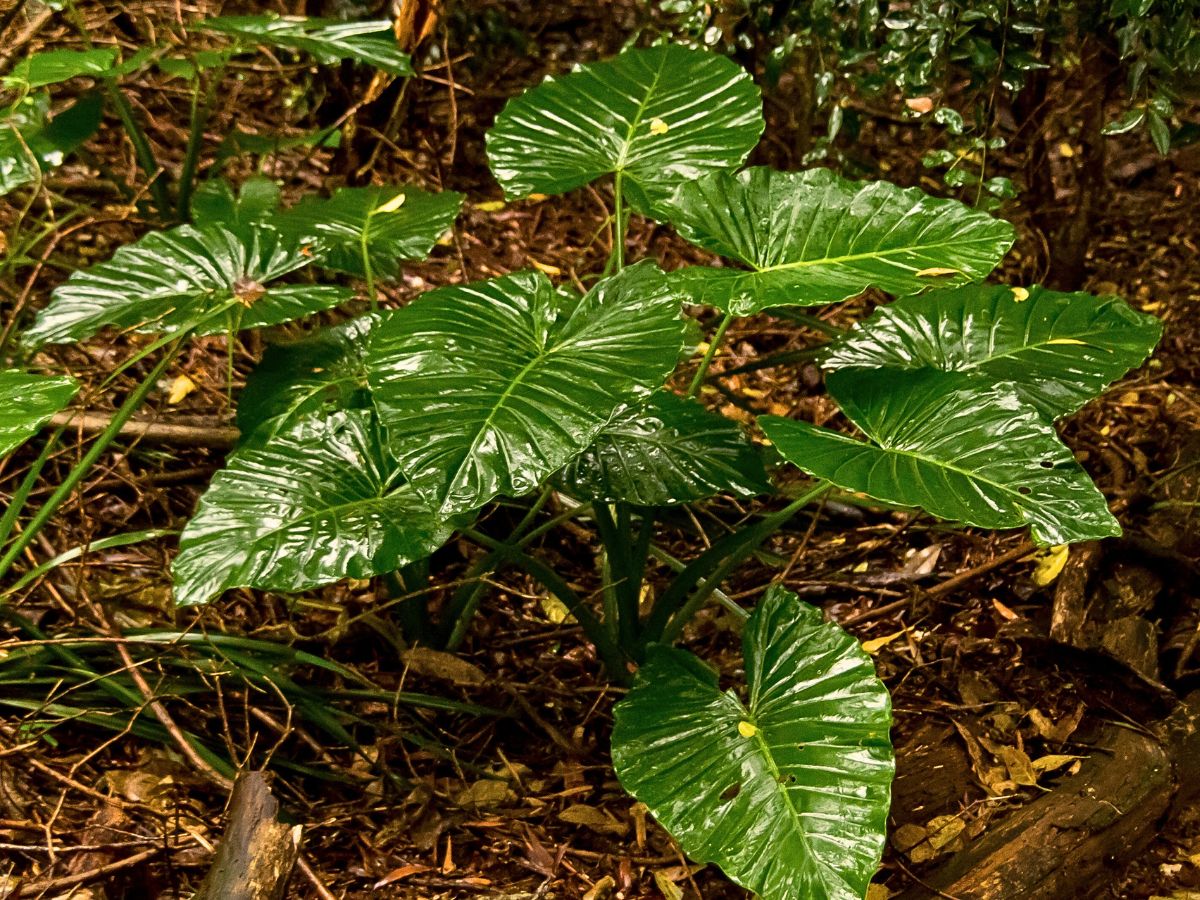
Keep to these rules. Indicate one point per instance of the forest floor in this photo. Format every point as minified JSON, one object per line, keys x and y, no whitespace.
{"x":518,"y":799}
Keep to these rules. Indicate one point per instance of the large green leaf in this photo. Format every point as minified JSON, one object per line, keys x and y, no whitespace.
{"x":813,"y":237}
{"x":658,"y":117}
{"x":326,"y":40}
{"x":210,"y":279}
{"x":665,"y":451}
{"x":54,"y":66}
{"x":957,"y":448}
{"x":27,"y":402}
{"x":489,"y":388}
{"x":1057,"y":350}
{"x":215,"y":203}
{"x":389,"y":224}
{"x":787,"y":792}
{"x":30,"y":142}
{"x":319,"y":502}
{"x":319,"y":375}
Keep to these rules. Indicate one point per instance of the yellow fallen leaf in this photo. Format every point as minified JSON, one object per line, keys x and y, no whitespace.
{"x":1050,"y":564}
{"x":180,"y":388}
{"x":937,"y":272}
{"x":1053,"y":761}
{"x":666,"y":887}
{"x":747,"y":729}
{"x":874,"y":645}
{"x":490,"y":205}
{"x":1020,"y":294}
{"x":860,"y":568}
{"x":392,"y":205}
{"x":658,"y":126}
{"x":1066,"y":150}
{"x":556,"y":611}
{"x":538,"y":198}
{"x":545,"y":267}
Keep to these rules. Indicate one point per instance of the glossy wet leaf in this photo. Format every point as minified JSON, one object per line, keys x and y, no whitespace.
{"x":317,"y":503}
{"x":30,"y":142}
{"x":665,"y":451}
{"x":27,"y":402}
{"x":788,"y":792}
{"x":215,"y":203}
{"x":489,"y":388}
{"x":210,"y":279}
{"x":392,"y":223}
{"x":1057,"y":350}
{"x":814,"y":237}
{"x":957,"y":448}
{"x":326,"y":40}
{"x":660,"y":116}
{"x":318,"y":375}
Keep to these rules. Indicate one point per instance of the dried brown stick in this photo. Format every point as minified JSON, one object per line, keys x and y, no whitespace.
{"x":216,"y":437}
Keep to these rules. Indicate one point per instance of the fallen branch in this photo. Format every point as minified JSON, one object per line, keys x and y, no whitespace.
{"x":216,"y":437}
{"x":257,"y":854}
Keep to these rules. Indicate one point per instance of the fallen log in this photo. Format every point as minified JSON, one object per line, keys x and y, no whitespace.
{"x":1069,"y":842}
{"x":255,"y":858}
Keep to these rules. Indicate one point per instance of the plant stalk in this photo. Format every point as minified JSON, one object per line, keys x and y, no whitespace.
{"x":713,"y":345}
{"x":675,"y":608}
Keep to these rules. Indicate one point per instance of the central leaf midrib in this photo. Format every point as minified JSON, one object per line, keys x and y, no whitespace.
{"x":855,"y":257}
{"x":619,"y":167}
{"x":517,"y":380}
{"x":331,"y":510}
{"x":764,"y":750}
{"x":966,"y":473}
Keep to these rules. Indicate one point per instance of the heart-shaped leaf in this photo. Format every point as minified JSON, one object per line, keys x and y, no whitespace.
{"x":656,"y":117}
{"x":666,"y":451}
{"x":326,"y":40}
{"x":209,"y":279}
{"x":813,"y":237}
{"x":386,"y":224}
{"x":1057,"y":350}
{"x":957,"y":448}
{"x":787,"y":792}
{"x":319,"y":375}
{"x":27,"y":402}
{"x":30,"y":142}
{"x":319,"y":502}
{"x":489,"y":388}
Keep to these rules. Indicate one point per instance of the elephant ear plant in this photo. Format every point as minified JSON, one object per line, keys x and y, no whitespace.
{"x":366,"y":445}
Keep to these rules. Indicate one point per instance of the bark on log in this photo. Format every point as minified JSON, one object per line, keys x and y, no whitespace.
{"x":256,"y":856}
{"x":1069,"y":842}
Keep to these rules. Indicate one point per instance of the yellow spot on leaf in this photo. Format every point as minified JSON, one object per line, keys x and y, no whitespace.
{"x":937,"y":272}
{"x":1020,"y":294}
{"x":1067,"y":341}
{"x":747,"y":730}
{"x":392,"y":205}
{"x":658,"y":126}
{"x":1050,"y":564}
